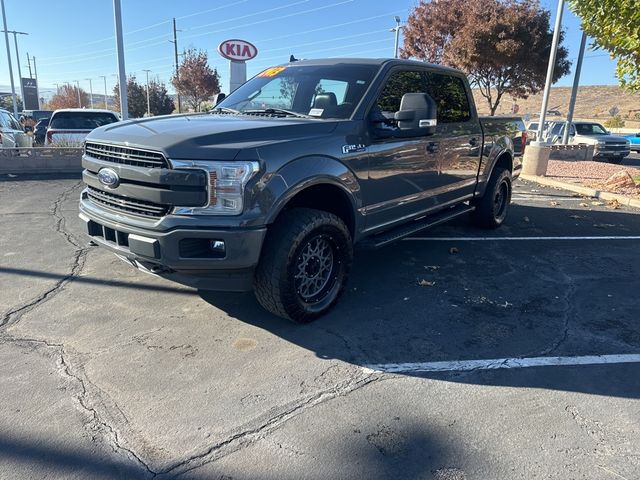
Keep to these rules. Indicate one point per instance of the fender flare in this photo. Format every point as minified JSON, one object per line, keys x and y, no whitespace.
{"x":296,"y":176}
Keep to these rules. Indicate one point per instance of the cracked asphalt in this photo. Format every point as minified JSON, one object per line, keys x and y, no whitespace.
{"x":111,"y":373}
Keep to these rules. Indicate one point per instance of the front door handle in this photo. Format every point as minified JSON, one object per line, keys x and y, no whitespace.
{"x":432,"y":147}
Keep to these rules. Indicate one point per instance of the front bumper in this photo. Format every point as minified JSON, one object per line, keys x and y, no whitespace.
{"x":608,"y":153}
{"x":181,"y":254}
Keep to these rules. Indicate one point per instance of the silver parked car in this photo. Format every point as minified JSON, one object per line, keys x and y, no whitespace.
{"x":608,"y":147}
{"x":11,"y":133}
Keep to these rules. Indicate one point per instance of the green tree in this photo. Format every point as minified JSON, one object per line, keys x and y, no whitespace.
{"x":615,"y":27}
{"x":136,"y":98}
{"x":196,"y":81}
{"x":7,"y":104}
{"x":502,"y":45}
{"x":159,"y":100}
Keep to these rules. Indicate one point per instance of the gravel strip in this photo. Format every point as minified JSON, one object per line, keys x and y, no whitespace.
{"x":591,"y":174}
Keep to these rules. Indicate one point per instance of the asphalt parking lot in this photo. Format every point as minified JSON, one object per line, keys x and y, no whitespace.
{"x":430,"y":367}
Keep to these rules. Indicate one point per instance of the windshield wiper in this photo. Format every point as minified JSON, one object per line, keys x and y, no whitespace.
{"x":277,"y":111}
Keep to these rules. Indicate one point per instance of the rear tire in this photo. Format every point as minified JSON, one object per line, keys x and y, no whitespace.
{"x":304,"y":264}
{"x":491,"y":210}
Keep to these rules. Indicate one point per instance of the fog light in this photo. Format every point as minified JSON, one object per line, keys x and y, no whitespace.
{"x":217,"y":246}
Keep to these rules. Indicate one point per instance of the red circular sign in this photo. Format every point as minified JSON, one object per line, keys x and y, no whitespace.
{"x":237,"y":50}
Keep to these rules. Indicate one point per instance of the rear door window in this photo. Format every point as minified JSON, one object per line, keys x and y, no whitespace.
{"x":81,"y":120}
{"x":450,"y":96}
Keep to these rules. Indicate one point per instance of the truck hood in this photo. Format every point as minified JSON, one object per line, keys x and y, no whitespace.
{"x":208,"y":136}
{"x":593,"y":139}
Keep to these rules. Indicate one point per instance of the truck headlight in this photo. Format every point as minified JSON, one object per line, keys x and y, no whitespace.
{"x":225,"y":185}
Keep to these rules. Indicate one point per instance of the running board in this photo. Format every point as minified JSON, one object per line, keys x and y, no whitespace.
{"x":398,"y":233}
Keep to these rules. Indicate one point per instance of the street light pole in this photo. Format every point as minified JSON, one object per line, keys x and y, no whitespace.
{"x":15,"y":41}
{"x":90,"y":92}
{"x":6,"y":40}
{"x":550,"y":68}
{"x":574,"y":90}
{"x":78,"y":90}
{"x":35,"y":74}
{"x":122,"y":76}
{"x":396,"y":29}
{"x":104,"y":77}
{"x":148,"y":102}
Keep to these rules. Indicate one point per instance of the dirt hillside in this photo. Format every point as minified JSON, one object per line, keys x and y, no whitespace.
{"x":593,"y":102}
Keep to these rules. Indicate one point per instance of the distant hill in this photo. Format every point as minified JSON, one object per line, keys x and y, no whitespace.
{"x":593,"y":102}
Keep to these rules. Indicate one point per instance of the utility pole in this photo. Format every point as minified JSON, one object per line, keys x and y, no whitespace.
{"x":35,"y":74}
{"x":15,"y":40}
{"x":396,"y":29}
{"x":6,"y":40}
{"x":90,"y":92}
{"x":550,"y":68}
{"x":122,"y":76}
{"x":175,"y":51}
{"x":57,"y":87}
{"x":29,"y":63}
{"x":104,"y":77}
{"x":148,"y":103}
{"x":78,"y":90}
{"x":574,"y":90}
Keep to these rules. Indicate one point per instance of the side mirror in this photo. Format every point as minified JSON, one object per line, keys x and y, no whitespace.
{"x":218,"y":98}
{"x":417,"y":115}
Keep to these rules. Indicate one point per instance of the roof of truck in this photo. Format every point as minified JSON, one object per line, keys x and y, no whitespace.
{"x":369,"y":61}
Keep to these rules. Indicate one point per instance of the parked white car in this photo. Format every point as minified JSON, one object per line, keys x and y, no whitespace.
{"x":11,"y":133}
{"x":608,"y":147}
{"x":70,"y":126}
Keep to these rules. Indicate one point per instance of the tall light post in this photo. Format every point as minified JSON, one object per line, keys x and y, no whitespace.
{"x":574,"y":90}
{"x":122,"y":76}
{"x":90,"y":92}
{"x":78,"y":90}
{"x":6,"y":40}
{"x":552,"y":62}
{"x":35,"y":74}
{"x":15,"y":41}
{"x":396,"y":29}
{"x":57,"y":88}
{"x":104,"y":77}
{"x":148,"y":102}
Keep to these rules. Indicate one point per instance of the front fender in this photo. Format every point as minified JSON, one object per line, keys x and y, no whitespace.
{"x":281,"y":186}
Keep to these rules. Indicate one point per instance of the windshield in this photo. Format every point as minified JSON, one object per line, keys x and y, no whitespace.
{"x":590,"y":129}
{"x":320,"y":91}
{"x":82,"y":120}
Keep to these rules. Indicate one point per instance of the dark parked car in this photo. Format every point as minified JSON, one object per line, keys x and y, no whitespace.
{"x":273,"y":188}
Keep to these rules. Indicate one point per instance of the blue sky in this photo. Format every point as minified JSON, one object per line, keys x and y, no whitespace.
{"x":73,"y":39}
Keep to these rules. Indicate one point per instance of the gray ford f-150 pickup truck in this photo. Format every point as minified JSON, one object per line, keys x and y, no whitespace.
{"x":272,"y":189}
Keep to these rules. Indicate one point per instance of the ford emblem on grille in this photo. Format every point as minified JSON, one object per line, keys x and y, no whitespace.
{"x":108,"y":178}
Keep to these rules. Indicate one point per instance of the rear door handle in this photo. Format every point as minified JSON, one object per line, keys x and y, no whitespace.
{"x":432,"y":147}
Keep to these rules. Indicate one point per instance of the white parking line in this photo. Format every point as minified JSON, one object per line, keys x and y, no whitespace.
{"x":517,"y":239}
{"x":501,"y":363}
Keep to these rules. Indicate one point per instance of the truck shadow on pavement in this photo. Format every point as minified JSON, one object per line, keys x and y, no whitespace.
{"x":488,"y":300}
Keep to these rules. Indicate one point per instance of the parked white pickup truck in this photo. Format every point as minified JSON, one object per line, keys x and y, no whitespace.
{"x":70,"y":126}
{"x":608,"y":147}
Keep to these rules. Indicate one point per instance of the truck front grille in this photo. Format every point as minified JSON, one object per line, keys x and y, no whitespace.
{"x":127,"y":205}
{"x":125,"y":156}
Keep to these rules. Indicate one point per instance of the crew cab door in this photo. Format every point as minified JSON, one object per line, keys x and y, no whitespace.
{"x":409,"y":177}
{"x":459,"y":139}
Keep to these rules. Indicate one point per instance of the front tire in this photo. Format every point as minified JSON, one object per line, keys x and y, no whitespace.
{"x":491,"y":210}
{"x":304,"y":265}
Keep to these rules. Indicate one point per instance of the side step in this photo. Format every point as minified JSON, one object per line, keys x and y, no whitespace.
{"x":398,"y":233}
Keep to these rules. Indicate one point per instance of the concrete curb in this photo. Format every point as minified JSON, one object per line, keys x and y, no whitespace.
{"x":587,"y":191}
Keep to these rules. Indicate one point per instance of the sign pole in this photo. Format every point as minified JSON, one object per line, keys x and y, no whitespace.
{"x":6,"y":40}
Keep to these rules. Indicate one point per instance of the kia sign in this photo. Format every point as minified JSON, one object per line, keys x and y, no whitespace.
{"x":237,"y":50}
